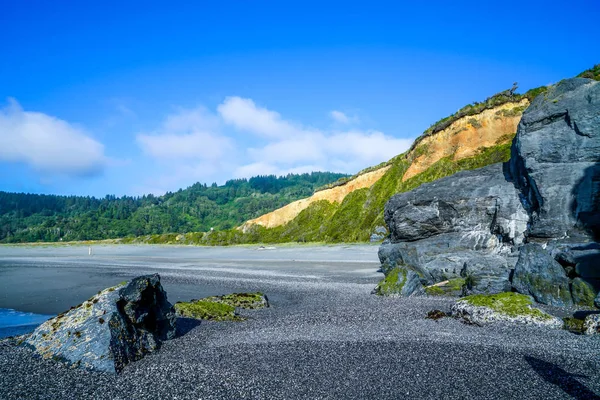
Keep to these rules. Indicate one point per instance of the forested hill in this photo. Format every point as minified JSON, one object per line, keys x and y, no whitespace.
{"x":32,"y":217}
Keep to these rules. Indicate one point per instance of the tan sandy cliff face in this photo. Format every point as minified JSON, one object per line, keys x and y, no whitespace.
{"x":460,"y":140}
{"x":467,"y":135}
{"x":335,"y":194}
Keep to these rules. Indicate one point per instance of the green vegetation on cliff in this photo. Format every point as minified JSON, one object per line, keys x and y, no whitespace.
{"x":361,"y":212}
{"x":31,"y":217}
{"x":353,"y":220}
{"x":592,"y":73}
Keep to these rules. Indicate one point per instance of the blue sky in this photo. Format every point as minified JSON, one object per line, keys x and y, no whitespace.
{"x":143,"y":97}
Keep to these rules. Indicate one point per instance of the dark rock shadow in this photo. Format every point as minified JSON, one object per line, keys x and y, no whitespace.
{"x":566,"y":381}
{"x":185,"y":325}
{"x":581,"y":314}
{"x":585,"y":206}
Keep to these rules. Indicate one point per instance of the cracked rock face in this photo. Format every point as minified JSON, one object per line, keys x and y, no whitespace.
{"x":555,"y":160}
{"x":463,"y":220}
{"x":117,"y":326}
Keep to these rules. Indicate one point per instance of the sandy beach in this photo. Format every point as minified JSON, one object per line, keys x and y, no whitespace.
{"x":325,"y":336}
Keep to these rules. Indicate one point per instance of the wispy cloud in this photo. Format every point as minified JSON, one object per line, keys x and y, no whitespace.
{"x":47,"y":144}
{"x":199,"y":145}
{"x":245,"y":115}
{"x":342,"y":118}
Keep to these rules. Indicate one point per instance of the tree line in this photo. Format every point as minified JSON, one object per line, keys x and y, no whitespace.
{"x":200,"y":207}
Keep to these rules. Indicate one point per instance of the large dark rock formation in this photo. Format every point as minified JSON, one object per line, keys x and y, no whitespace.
{"x":447,"y":228}
{"x":113,"y":328}
{"x":555,"y":161}
{"x":473,"y":224}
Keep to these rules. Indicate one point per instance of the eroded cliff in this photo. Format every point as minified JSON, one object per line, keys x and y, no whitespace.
{"x":464,"y":138}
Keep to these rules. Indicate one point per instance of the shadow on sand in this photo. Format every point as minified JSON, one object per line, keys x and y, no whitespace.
{"x":184,"y":325}
{"x":557,"y":376}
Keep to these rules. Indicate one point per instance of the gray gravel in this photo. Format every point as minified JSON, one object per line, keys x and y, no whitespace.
{"x":325,"y":335}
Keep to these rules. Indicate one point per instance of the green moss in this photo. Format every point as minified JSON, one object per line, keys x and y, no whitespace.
{"x":452,"y":288}
{"x":251,"y":301}
{"x":435,"y":291}
{"x":207,"y":310}
{"x":392,"y":283}
{"x":574,"y":325}
{"x":456,"y":284}
{"x":583,"y":293}
{"x":507,"y":303}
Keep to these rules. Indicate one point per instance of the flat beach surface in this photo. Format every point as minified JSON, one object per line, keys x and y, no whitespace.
{"x":324,"y":336}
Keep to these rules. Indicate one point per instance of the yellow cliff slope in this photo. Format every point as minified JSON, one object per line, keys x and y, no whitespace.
{"x":462,"y":139}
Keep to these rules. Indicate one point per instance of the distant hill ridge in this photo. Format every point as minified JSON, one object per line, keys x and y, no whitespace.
{"x":200,"y":207}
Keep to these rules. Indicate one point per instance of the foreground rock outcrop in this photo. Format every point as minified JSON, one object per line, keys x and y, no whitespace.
{"x":528,"y":225}
{"x":502,"y":308}
{"x":117,"y":326}
{"x":455,"y":227}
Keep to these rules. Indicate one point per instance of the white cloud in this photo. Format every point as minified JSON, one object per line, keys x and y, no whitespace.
{"x":197,"y":149}
{"x":290,"y":146}
{"x":187,"y":134}
{"x":343,"y":118}
{"x":48,"y":144}
{"x":245,"y":115}
{"x":339,"y":116}
{"x":190,"y":147}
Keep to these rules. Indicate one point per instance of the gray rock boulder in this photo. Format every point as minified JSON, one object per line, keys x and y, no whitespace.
{"x":487,"y":274}
{"x":555,"y":161}
{"x":582,"y":292}
{"x":597,"y":300}
{"x":539,"y":275}
{"x":113,"y":328}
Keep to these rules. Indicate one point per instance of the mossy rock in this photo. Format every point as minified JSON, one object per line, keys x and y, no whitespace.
{"x":221,"y":308}
{"x":392,"y":283}
{"x":507,"y":303}
{"x":574,"y":325}
{"x":583,"y":293}
{"x":507,"y":307}
{"x":207,"y":310}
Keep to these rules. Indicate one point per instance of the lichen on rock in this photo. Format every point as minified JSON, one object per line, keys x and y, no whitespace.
{"x":117,"y":326}
{"x":591,"y":325}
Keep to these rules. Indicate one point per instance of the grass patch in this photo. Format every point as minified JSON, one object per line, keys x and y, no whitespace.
{"x":507,"y":303}
{"x":249,"y":301}
{"x":207,"y":310}
{"x":456,"y":284}
{"x":434,"y":291}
